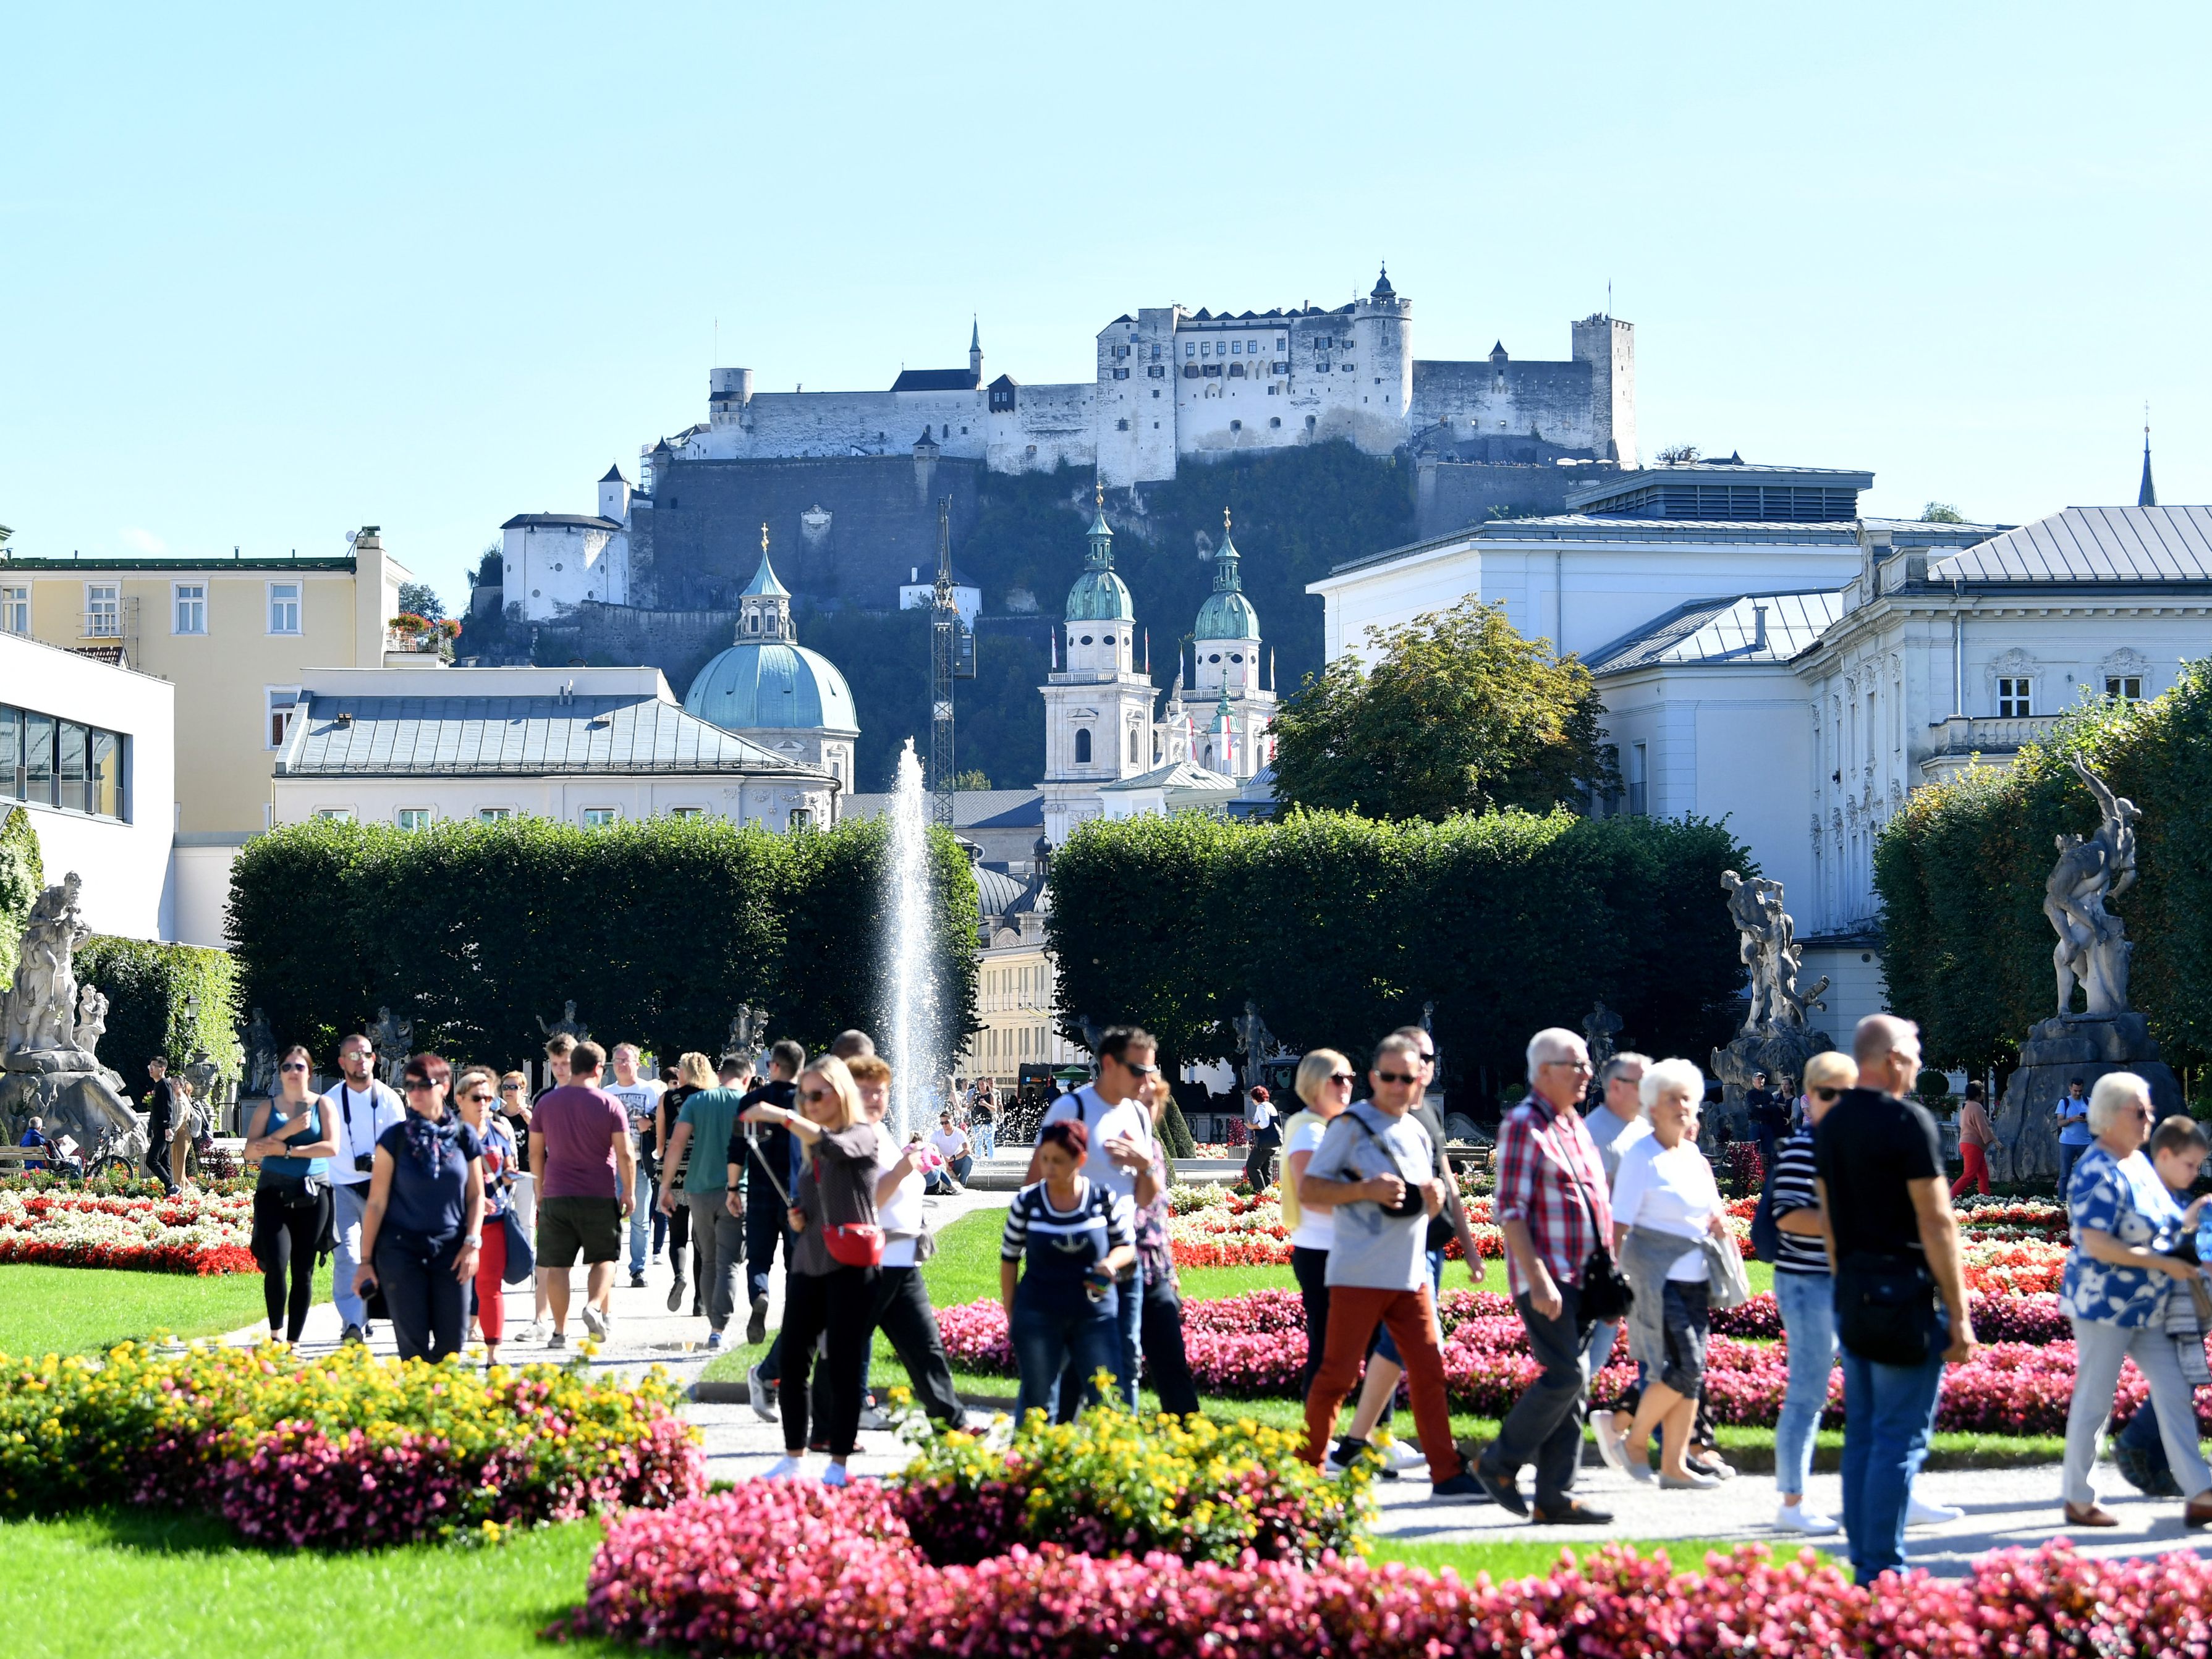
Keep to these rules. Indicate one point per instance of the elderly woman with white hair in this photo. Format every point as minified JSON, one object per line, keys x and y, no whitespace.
{"x":1665,"y":1204}
{"x":2127,"y":1229}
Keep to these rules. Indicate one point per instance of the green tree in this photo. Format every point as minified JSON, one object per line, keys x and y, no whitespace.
{"x":22,"y":878}
{"x":971,"y":779}
{"x":1941,"y":513}
{"x":421,"y":599}
{"x":1460,"y":713}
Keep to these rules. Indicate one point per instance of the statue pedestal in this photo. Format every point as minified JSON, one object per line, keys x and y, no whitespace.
{"x":85,"y":1105}
{"x":2059,"y":1051}
{"x":1780,"y":1051}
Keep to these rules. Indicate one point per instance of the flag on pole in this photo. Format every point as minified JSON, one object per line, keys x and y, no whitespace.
{"x":1053,"y":634}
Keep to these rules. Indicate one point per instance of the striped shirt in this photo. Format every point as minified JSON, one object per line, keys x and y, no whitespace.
{"x":1101,"y":1221}
{"x":1793,"y":1189}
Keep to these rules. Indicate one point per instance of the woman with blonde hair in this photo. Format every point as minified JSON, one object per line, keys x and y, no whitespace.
{"x":836,"y":1250}
{"x":1323,"y":1085}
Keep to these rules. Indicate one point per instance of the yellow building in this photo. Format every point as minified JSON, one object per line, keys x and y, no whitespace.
{"x":1015,"y":985}
{"x":234,"y":636}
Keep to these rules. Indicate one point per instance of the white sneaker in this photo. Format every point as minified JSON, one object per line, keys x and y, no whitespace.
{"x":787,"y":1468}
{"x":538,"y":1330}
{"x":1918,"y":1514}
{"x":762,"y":1395}
{"x":873,"y":1417}
{"x":1403,"y":1454}
{"x":1796,"y":1517}
{"x":595,"y":1322}
{"x":835,"y":1476}
{"x":1611,"y":1443}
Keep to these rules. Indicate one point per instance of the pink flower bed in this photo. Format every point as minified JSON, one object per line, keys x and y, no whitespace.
{"x":1255,"y":1345}
{"x":778,"y":1568}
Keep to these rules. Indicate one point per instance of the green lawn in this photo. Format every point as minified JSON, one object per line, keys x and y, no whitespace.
{"x":1526,"y":1560}
{"x":126,"y":1582}
{"x":85,"y":1310}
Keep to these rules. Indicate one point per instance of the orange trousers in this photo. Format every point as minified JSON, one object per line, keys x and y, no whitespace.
{"x":1354,"y":1311}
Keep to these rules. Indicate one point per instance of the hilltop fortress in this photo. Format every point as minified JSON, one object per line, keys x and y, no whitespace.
{"x":1174,"y":385}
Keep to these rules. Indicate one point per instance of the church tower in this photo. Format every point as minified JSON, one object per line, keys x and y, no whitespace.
{"x":1228,"y":652}
{"x":1098,"y":708}
{"x":765,"y":608}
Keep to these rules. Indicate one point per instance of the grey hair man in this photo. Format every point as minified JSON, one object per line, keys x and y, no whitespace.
{"x":1900,"y":1288}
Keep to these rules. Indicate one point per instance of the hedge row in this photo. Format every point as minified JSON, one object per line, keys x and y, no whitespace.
{"x":174,"y":999}
{"x":1960,"y":870}
{"x":1339,"y":927}
{"x":657,"y":930}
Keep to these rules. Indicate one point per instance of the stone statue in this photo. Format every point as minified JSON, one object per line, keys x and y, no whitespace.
{"x":1259,"y":1042}
{"x":2092,"y":946}
{"x":260,"y":1056}
{"x":41,"y":1014}
{"x":746,"y":1030}
{"x":91,"y":1018}
{"x":567,"y":1024}
{"x":1600,"y":1026}
{"x":395,"y":1040}
{"x":1775,"y":1038}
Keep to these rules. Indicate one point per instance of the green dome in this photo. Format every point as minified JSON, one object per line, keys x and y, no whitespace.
{"x":772,"y":684}
{"x":1100,"y":596}
{"x":1227,"y":617}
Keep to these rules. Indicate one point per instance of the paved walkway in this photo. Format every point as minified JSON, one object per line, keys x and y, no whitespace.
{"x":2004,"y":1507}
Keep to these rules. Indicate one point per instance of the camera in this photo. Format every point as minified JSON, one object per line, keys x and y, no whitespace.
{"x":366,"y":1164}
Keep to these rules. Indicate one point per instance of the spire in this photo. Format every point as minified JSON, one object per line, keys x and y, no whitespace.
{"x":764,"y":607}
{"x":1101,"y":533}
{"x":2146,"y":492}
{"x":975,"y":348}
{"x":1226,"y":561}
{"x":1382,"y":288}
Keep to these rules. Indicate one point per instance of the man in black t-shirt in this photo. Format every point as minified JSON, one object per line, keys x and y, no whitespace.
{"x":1886,"y":1211}
{"x":160,"y":1101}
{"x":763,"y":1153}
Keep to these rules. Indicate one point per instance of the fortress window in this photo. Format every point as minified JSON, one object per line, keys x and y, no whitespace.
{"x":1082,"y":749}
{"x":1123,"y":426}
{"x":1120,"y":374}
{"x":1156,"y":353}
{"x":1281,"y":344}
{"x":1189,"y":350}
{"x":1274,"y":419}
{"x":1206,"y":348}
{"x":1236,"y":425}
{"x":1236,"y":346}
{"x":1155,"y":372}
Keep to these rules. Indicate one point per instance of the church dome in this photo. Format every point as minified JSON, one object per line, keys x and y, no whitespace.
{"x":772,"y":684}
{"x":1100,"y":596}
{"x":1227,"y":617}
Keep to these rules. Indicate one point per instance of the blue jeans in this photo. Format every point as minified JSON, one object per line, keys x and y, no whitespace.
{"x":2068,"y":1157}
{"x":1046,"y":1340}
{"x":642,"y":1210}
{"x":1889,"y":1412}
{"x":1807,"y":1301}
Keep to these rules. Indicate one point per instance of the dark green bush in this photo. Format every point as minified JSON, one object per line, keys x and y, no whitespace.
{"x":150,"y":990}
{"x":656,"y":930}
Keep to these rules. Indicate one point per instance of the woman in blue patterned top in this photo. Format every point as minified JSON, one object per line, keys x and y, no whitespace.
{"x":1075,"y":1237}
{"x":2127,"y":1228}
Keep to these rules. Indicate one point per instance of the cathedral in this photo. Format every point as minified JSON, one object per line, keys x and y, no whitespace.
{"x":1108,"y":753}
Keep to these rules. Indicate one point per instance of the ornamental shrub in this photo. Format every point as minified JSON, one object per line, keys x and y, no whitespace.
{"x":1110,"y":1483}
{"x":23,"y":876}
{"x":344,"y":1450}
{"x":173,"y":1000}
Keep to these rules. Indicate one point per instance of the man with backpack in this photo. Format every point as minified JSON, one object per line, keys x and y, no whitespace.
{"x":357,"y":1110}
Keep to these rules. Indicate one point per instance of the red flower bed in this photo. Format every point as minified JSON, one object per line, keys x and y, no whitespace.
{"x":778,"y":1568}
{"x":202,"y":1233}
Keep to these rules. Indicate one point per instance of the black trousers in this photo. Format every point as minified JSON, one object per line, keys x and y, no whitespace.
{"x":1545,"y":1426}
{"x":429,"y":1307}
{"x":1160,"y":1334}
{"x":157,"y":1155}
{"x":1259,"y":1165}
{"x":764,"y":1230}
{"x":1310,"y":1269}
{"x":285,"y":1239}
{"x":840,"y":1305}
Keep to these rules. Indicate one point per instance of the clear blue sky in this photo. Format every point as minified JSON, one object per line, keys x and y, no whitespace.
{"x":266,"y":275}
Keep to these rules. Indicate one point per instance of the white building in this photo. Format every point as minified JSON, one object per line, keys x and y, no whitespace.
{"x":919,"y":592}
{"x":587,"y":746}
{"x":552,"y":562}
{"x":88,"y":748}
{"x":1806,"y":717}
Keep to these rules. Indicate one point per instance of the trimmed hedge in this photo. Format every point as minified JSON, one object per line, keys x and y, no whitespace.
{"x":23,"y":876}
{"x":147,"y":986}
{"x":656,"y":930}
{"x":1340,"y":928}
{"x":1959,"y":872}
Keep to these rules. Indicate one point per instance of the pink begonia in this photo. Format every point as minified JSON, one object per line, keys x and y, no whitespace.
{"x":789,"y":1570}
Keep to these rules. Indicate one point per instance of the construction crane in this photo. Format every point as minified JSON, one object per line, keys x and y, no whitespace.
{"x":952,"y":657}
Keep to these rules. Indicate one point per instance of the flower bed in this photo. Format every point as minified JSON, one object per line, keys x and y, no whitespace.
{"x":116,"y":1186}
{"x":343,"y":1451}
{"x":778,"y":1568}
{"x":201,"y":1234}
{"x":1109,"y":1484}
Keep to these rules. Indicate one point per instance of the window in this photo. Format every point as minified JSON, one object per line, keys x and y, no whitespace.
{"x":600,"y":817}
{"x":335,"y":814}
{"x":283,"y":608}
{"x":413,"y":817}
{"x":1132,"y":746}
{"x":16,"y":610}
{"x":72,"y":753}
{"x":191,"y":608}
{"x":2014,"y":697}
{"x":103,"y":610}
{"x":1120,"y":374}
{"x":687,"y":812}
{"x":1189,"y":350}
{"x":2125,"y":686}
{"x":283,"y":703}
{"x":1083,"y":748}
{"x":104,"y":783}
{"x":494,"y":815}
{"x":801,"y":819}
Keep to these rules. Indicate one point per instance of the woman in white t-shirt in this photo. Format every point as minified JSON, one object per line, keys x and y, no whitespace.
{"x":1324,"y":1084}
{"x":1665,"y":1202}
{"x":903,"y":1312}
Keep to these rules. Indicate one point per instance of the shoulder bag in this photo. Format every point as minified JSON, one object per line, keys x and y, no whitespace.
{"x":521,"y":1258}
{"x":1886,"y":1308}
{"x":1410,"y":1201}
{"x":1607,"y":1295}
{"x":851,"y":1244}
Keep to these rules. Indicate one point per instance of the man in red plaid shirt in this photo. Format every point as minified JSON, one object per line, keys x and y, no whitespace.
{"x":1553,"y":1207}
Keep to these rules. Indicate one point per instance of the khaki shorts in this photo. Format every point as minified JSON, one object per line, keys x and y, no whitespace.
{"x":568,"y":1226}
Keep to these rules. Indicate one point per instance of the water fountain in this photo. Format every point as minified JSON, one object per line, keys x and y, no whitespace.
{"x":916,"y":1065}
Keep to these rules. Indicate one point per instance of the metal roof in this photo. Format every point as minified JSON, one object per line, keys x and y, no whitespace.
{"x":561,"y":521}
{"x":971,"y":808}
{"x":1175,"y":775}
{"x":511,"y":736}
{"x":1731,"y":630}
{"x":2091,"y":544}
{"x":937,"y":380}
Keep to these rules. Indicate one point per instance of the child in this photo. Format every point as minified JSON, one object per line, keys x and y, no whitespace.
{"x":2177,"y":1149}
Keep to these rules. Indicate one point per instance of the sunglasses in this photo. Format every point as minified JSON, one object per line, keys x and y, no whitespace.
{"x":818,"y":1094}
{"x":1826,"y":1094}
{"x":1140,"y":1071}
{"x":418,"y":1086}
{"x":510,"y":1088}
{"x":1343,"y":1077}
{"x":293,"y":1065}
{"x":1397,"y":1077}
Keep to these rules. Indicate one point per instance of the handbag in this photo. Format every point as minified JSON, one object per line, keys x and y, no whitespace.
{"x":521,"y":1259}
{"x":851,"y":1244}
{"x":1885,"y":1308}
{"x":1765,"y":1227}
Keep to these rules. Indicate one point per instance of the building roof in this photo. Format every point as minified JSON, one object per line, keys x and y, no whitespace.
{"x":1175,"y":775}
{"x":937,"y":380}
{"x":343,"y":562}
{"x":2091,"y":544}
{"x":772,"y":685}
{"x":511,"y":736}
{"x":1754,"y":628}
{"x":1227,"y":614}
{"x":614,"y":475}
{"x":561,"y":521}
{"x":764,"y":581}
{"x":971,"y":808}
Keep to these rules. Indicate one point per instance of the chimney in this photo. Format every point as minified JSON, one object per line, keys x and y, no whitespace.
{"x":1759,"y":628}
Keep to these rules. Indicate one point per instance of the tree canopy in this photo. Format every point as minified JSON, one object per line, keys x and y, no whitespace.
{"x":421,"y":599}
{"x":1459,"y":714}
